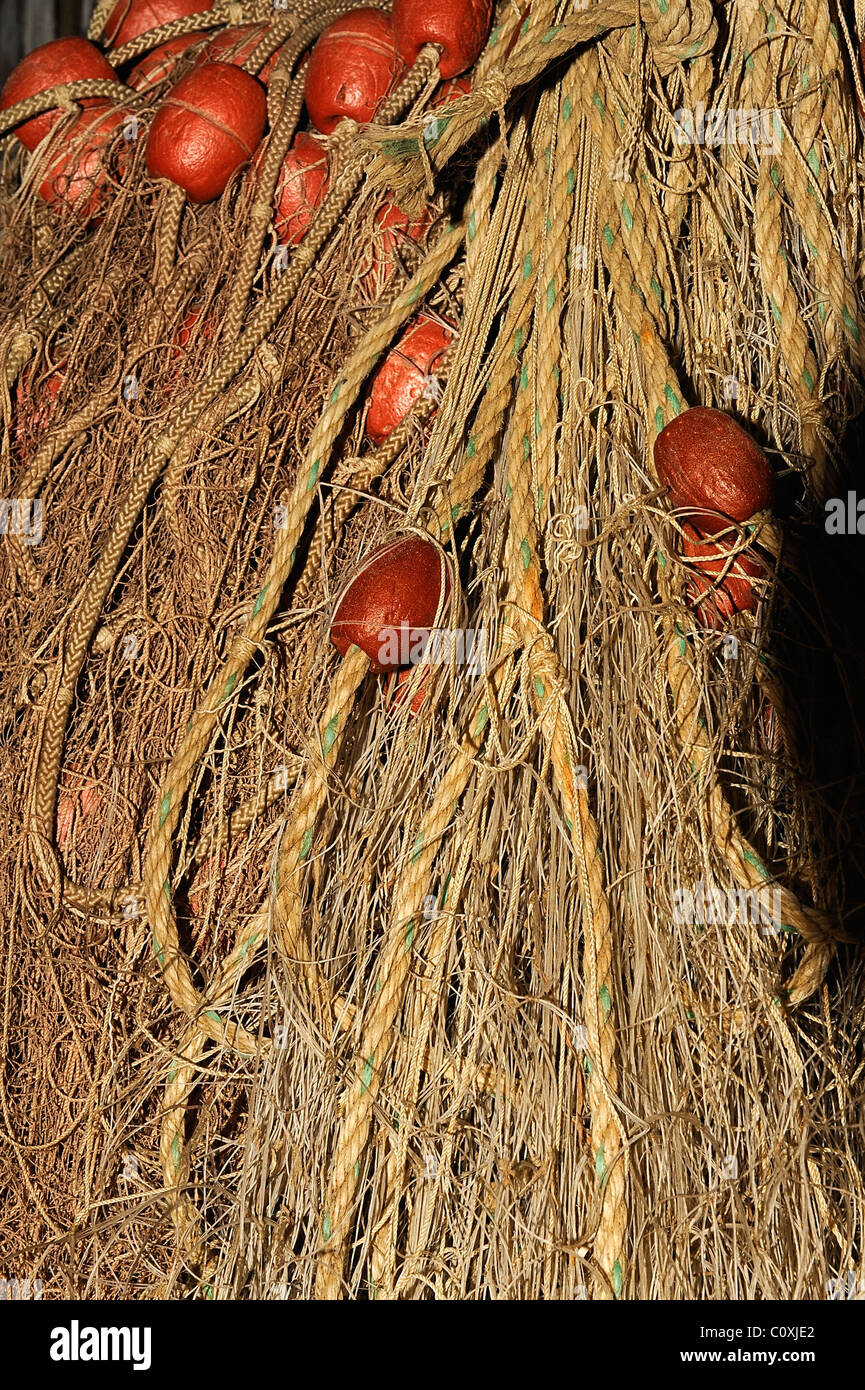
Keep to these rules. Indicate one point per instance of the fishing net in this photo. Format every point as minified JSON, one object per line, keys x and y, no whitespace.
{"x":314,"y":991}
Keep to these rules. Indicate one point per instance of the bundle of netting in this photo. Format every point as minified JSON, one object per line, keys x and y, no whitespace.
{"x":418,"y":422}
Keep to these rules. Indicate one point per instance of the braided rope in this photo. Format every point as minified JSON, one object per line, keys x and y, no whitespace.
{"x":329,"y":1274}
{"x":744,"y":863}
{"x":65,"y":96}
{"x":285,"y":101}
{"x":101,"y":11}
{"x":378,"y":1029}
{"x":628,"y":258}
{"x":184,"y":1071}
{"x":161,"y":448}
{"x":283,"y":27}
{"x":158,"y":850}
{"x":261,"y":212}
{"x":681,"y":173}
{"x":214,"y":18}
{"x":770,"y":239}
{"x":172,"y":205}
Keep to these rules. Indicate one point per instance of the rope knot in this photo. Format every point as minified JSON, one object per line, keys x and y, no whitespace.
{"x":683,"y":30}
{"x":545,"y":666}
{"x":345,"y":134}
{"x":243,"y":649}
{"x":494,"y":90}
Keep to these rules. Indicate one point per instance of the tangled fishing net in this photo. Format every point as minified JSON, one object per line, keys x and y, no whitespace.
{"x":313,"y":991}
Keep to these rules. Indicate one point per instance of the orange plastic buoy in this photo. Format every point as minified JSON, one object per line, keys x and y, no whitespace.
{"x":206,"y":128}
{"x":353,"y":67}
{"x":710,"y":464}
{"x":35,"y":403}
{"x":397,"y":689}
{"x":458,"y":27}
{"x":405,"y":375}
{"x":302,"y":188}
{"x":78,"y":179}
{"x":452,"y":90}
{"x":392,"y":227}
{"x":63,"y":60}
{"x":708,"y":559}
{"x":391,"y":602}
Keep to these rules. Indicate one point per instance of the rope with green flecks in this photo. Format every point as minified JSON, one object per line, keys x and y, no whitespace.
{"x":158,"y":853}
{"x":408,"y":156}
{"x":528,"y":430}
{"x":506,"y":233}
{"x":395,"y":962}
{"x":770,"y":239}
{"x":457,"y":494}
{"x":549,"y":680}
{"x":663,"y":390}
{"x":184,"y":1073}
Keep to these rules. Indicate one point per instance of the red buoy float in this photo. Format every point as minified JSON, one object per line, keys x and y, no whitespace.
{"x":392,"y":228}
{"x":721,"y":598}
{"x":353,"y":67}
{"x":391,"y":602}
{"x":404,"y":375}
{"x":131,"y":18}
{"x":207,"y":127}
{"x":238,"y":44}
{"x":63,"y":60}
{"x":397,"y":686}
{"x":710,"y":464}
{"x":458,"y":27}
{"x":77,"y":797}
{"x":35,"y":401}
{"x":452,"y":90}
{"x":78,"y":177}
{"x":302,"y":188}
{"x":158,"y":65}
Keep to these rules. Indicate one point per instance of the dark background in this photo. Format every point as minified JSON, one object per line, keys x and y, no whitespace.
{"x":26,"y":23}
